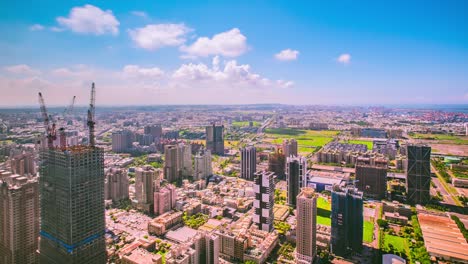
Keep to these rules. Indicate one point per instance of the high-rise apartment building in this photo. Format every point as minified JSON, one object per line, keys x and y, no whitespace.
{"x":121,"y":141}
{"x":184,"y":159}
{"x":154,"y":130}
{"x":289,"y":147}
{"x":164,"y":198}
{"x":203,"y":166}
{"x":248,"y":162}
{"x":296,"y":170}
{"x":72,"y":205}
{"x":306,"y":229}
{"x":171,"y":163}
{"x":215,"y":139}
{"x":264,"y":189}
{"x":277,"y":163}
{"x":23,"y":164}
{"x":19,"y":220}
{"x":418,"y":174}
{"x":144,"y":187}
{"x":347,"y":220}
{"x":116,"y":184}
{"x":371,"y":179}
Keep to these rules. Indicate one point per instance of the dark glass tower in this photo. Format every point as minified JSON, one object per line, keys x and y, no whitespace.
{"x":296,"y":168}
{"x":215,"y":139}
{"x":347,"y":220}
{"x":418,"y":174}
{"x":72,"y":206}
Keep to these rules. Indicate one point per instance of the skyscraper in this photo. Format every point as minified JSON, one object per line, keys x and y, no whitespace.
{"x":184,"y":159}
{"x":347,"y":220}
{"x":264,"y":200}
{"x":171,"y":165}
{"x":203,"y":166}
{"x":121,"y":141}
{"x":418,"y":174}
{"x":290,"y":147}
{"x":215,"y":139}
{"x":19,"y":220}
{"x":144,"y":187}
{"x":296,"y":170}
{"x":116,"y":184}
{"x":306,"y":229}
{"x":72,"y":205}
{"x":371,"y":179}
{"x":248,"y":162}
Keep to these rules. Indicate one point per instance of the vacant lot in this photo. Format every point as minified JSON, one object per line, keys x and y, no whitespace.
{"x":307,"y":140}
{"x":245,"y":123}
{"x":323,"y":212}
{"x":442,"y":139}
{"x":368,"y":235}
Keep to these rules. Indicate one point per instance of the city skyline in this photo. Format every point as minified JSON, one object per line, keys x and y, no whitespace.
{"x":223,"y":53}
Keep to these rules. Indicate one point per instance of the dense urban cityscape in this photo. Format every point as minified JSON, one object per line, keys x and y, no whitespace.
{"x":227,"y":132}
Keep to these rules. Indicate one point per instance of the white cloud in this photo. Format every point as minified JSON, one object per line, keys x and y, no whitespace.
{"x":36,"y":27}
{"x":344,"y":58}
{"x":155,"y":36}
{"x":57,"y":29}
{"x":90,"y":19}
{"x":22,"y":69}
{"x":229,"y":44}
{"x":139,"y":14}
{"x":287,"y":55}
{"x":137,"y":71}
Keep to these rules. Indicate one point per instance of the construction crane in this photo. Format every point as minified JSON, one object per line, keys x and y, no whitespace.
{"x":91,"y":122}
{"x":69,"y":111}
{"x":50,"y":130}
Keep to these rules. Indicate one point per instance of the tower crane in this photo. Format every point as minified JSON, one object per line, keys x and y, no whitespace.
{"x":50,"y":129}
{"x":91,"y":122}
{"x":69,"y":111}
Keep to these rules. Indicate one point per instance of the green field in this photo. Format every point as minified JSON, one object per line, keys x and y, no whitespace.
{"x":245,"y":123}
{"x":368,"y":232}
{"x":306,"y":139}
{"x":443,"y":139}
{"x":398,"y":243}
{"x":323,"y":212}
{"x":369,"y":143}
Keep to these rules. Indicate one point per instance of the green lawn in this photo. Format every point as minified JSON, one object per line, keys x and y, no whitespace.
{"x":305,"y":138}
{"x":323,"y":212}
{"x":398,"y":243}
{"x":369,"y":143}
{"x":449,"y":139}
{"x":368,"y":231}
{"x":245,"y":123}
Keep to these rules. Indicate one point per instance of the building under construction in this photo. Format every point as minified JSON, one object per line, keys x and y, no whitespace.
{"x":72,"y":198}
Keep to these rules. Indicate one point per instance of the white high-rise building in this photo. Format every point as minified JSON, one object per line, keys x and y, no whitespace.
{"x":306,"y":229}
{"x":116,"y":184}
{"x":185,"y":159}
{"x":203,"y":167}
{"x":144,"y":187}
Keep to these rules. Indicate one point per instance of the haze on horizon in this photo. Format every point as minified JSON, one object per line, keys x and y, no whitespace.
{"x":243,"y":52}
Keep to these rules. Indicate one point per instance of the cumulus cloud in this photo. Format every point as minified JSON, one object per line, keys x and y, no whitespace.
{"x":229,"y":44}
{"x":139,"y":14}
{"x":344,"y":58}
{"x":287,"y":55}
{"x":232,"y":74}
{"x":90,"y":19}
{"x":56,"y":29}
{"x":155,"y":36}
{"x":21,"y":69}
{"x":36,"y":27}
{"x":137,"y":71}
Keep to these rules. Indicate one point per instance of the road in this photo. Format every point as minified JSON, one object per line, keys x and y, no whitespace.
{"x":264,"y":125}
{"x":441,"y":187}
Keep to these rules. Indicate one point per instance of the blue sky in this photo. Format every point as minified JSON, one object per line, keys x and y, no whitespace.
{"x":202,"y":52}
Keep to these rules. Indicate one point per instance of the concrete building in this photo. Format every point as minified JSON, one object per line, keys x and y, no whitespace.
{"x":203,"y":166}
{"x":277,"y":163}
{"x":418,"y":174}
{"x":23,"y":164}
{"x":248,"y":162}
{"x":387,"y":147}
{"x":232,"y":246}
{"x":141,"y":256}
{"x":264,"y":200}
{"x":116,"y":184}
{"x":154,"y":130}
{"x":164,"y":199}
{"x":184,"y":159}
{"x":372,"y":179}
{"x":144,"y":187}
{"x":296,"y":170}
{"x":290,"y":147}
{"x":347,"y":220}
{"x":306,"y":229}
{"x":19,"y":219}
{"x":121,"y":141}
{"x":171,"y":168}
{"x":215,"y":139}
{"x":72,"y":205}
